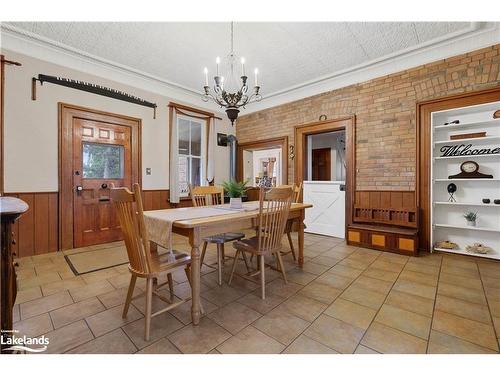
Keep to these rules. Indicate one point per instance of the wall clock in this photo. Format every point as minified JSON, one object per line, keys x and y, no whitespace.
{"x":470,"y":169}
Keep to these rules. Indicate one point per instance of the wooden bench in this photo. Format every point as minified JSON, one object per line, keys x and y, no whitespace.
{"x":377,"y":225}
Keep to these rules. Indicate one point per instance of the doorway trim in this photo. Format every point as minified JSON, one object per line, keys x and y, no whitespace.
{"x":318,"y":127}
{"x":264,"y":145}
{"x":66,"y":113}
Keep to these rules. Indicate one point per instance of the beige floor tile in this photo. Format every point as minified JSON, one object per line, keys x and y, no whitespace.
{"x":379,"y":274}
{"x":91,"y":290}
{"x":364,"y":297}
{"x":27,"y":295}
{"x":115,"y":342}
{"x":61,"y":285}
{"x":494,"y":307}
{"x":45,"y":304}
{"x":96,"y":276}
{"x":161,"y":326}
{"x":108,"y":320}
{"x":279,"y":288}
{"x":453,"y":270}
{"x":352,"y":313}
{"x":463,"y":281}
{"x":321,"y":292}
{"x":222,"y":295}
{"x":38,"y":280}
{"x":345,"y":271}
{"x":156,"y":305}
{"x":387,"y":266}
{"x":489,"y":268}
{"x":361,"y":349}
{"x":337,"y":281}
{"x":303,"y":307}
{"x":338,"y":335}
{"x":491,"y":282}
{"x":372,"y":284}
{"x":354,"y":263}
{"x":441,"y":343}
{"x":394,"y":258}
{"x":250,"y":341}
{"x":299,"y":276}
{"x":183,"y":312}
{"x":281,"y":325}
{"x":492,"y":293}
{"x":416,"y":289}
{"x":76,"y":311}
{"x":260,"y":305}
{"x":306,"y":345}
{"x":384,"y":339}
{"x":16,"y":313}
{"x":314,"y":268}
{"x":469,"y":330}
{"x":234,"y":317}
{"x":68,"y":337}
{"x":25,"y":273}
{"x":325,"y":260}
{"x":422,"y":268}
{"x":33,"y":327}
{"x":201,"y":338}
{"x":466,"y":294}
{"x":468,"y":263}
{"x":116,"y":297}
{"x":418,"y":277}
{"x":163,"y":346}
{"x":427,"y":259}
{"x":463,"y":308}
{"x":410,"y":302}
{"x":406,"y":321}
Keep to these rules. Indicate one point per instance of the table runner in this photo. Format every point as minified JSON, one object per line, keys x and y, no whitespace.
{"x":159,"y":222}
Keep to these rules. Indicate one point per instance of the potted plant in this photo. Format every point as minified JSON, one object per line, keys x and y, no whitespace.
{"x":235,"y":191}
{"x":471,"y":218}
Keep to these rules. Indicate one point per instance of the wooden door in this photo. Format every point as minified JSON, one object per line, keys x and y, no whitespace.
{"x":102,"y":155}
{"x":321,"y":164}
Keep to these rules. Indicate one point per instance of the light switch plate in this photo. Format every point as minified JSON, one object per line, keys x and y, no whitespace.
{"x":148,"y":171}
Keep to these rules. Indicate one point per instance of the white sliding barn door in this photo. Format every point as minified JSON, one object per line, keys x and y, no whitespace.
{"x":327,"y":216}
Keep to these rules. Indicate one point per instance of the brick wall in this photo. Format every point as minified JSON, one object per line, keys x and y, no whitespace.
{"x":385,"y":114}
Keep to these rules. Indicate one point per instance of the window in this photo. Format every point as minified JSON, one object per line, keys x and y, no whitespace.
{"x":102,"y":160}
{"x":192,"y":153}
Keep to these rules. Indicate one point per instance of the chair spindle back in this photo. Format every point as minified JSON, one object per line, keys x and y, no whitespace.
{"x":206,"y":195}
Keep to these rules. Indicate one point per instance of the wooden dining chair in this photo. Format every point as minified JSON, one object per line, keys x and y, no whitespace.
{"x":143,"y":262}
{"x":297,"y":191}
{"x":274,"y":206}
{"x":208,"y":196}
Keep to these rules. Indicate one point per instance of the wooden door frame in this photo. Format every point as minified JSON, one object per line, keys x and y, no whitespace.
{"x":344,"y":123}
{"x":264,"y":144}
{"x":423,"y":182}
{"x":66,"y":113}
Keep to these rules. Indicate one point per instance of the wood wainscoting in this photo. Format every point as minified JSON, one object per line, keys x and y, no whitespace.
{"x":385,"y":220}
{"x":37,"y":231}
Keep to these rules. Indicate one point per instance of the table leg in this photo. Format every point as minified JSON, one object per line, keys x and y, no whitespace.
{"x":194,"y":241}
{"x":301,"y":237}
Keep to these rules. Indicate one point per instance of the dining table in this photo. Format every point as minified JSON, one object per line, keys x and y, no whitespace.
{"x":197,"y":228}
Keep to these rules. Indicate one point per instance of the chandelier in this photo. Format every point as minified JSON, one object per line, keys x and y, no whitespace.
{"x":229,"y":90}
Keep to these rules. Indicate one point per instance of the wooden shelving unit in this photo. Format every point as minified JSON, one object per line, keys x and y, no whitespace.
{"x":447,"y":222}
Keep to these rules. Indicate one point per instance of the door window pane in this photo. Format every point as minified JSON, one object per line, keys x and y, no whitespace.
{"x":101,"y":160}
{"x":195,"y":172}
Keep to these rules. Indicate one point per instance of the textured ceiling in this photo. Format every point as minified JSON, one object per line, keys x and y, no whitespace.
{"x":287,"y":54}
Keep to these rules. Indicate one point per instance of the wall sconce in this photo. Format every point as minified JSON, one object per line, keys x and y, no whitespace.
{"x":291,"y":152}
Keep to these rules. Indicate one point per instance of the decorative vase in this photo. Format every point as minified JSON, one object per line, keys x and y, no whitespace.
{"x":235,"y":203}
{"x":471,"y":223}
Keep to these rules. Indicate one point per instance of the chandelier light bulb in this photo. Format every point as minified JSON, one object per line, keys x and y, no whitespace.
{"x":242,"y":66}
{"x":206,"y":75}
{"x":256,"y":72}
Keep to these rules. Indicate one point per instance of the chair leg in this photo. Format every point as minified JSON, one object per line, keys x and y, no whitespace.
{"x":149,"y":301}
{"x":223,"y":256}
{"x":219,"y":264}
{"x":130,"y":293}
{"x":282,"y":268}
{"x":188,"y":273}
{"x":202,"y":257}
{"x":262,"y":277}
{"x":171,"y":286}
{"x":246,"y":261}
{"x":233,"y":267}
{"x":289,"y":235}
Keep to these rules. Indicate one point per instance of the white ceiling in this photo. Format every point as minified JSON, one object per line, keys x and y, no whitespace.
{"x":288,"y":55}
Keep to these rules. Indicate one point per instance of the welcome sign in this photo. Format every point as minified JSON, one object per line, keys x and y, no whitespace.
{"x":467,"y":150}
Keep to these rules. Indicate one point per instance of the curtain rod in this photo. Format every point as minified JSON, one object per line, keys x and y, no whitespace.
{"x":191,"y":109}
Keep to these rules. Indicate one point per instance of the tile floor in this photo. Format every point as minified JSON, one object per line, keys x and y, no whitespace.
{"x":344,"y":300}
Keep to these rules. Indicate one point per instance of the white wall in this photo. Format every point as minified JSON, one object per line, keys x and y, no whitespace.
{"x":326,"y":140}
{"x":31,"y":127}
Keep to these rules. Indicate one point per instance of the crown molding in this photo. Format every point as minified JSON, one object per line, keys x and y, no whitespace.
{"x":478,"y":35}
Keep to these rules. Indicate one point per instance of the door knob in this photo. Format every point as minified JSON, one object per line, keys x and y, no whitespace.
{"x":104,"y":185}
{"x":79,"y":189}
